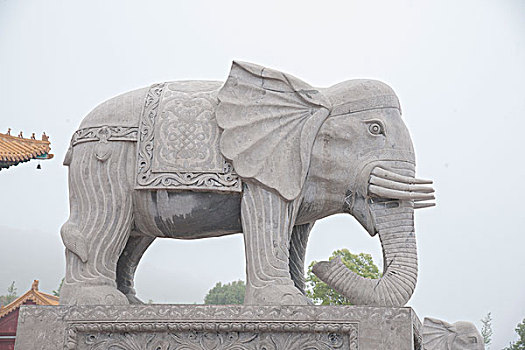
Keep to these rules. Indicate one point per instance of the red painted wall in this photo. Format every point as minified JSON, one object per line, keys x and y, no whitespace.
{"x":7,"y":344}
{"x":8,"y":325}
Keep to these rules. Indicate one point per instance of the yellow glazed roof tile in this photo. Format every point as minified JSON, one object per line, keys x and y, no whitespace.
{"x":15,"y":149}
{"x":34,"y":295}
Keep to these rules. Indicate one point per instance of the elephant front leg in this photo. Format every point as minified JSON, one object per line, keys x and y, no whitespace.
{"x":298,"y":242}
{"x":267,"y":224}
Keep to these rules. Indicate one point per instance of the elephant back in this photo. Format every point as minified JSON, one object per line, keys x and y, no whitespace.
{"x":123,"y":110}
{"x":177,"y":135}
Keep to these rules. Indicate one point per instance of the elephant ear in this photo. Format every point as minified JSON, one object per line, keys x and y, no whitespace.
{"x":270,"y":121}
{"x":437,"y":334}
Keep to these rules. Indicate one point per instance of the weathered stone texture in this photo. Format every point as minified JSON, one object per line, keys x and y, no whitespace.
{"x":265,"y":154}
{"x":441,"y":335}
{"x":162,"y":327}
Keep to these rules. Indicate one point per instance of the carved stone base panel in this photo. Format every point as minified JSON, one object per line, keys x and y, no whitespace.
{"x":214,"y":340}
{"x":163,"y":327}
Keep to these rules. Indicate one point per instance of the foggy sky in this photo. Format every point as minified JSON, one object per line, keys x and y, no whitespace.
{"x":457,"y":67}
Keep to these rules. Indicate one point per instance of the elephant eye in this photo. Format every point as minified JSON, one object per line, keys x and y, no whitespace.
{"x":473,"y":340}
{"x":376,"y":128}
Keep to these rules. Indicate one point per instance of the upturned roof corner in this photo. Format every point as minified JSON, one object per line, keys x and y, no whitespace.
{"x":17,"y":149}
{"x":34,"y":295}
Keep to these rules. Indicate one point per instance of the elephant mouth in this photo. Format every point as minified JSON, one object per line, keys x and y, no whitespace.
{"x":385,"y":186}
{"x":387,"y":210}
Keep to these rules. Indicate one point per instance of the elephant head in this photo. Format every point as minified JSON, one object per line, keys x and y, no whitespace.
{"x":377,"y":161}
{"x":343,"y":149}
{"x":441,"y":335}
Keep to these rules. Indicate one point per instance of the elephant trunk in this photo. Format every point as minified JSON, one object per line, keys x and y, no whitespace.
{"x":393,"y":219}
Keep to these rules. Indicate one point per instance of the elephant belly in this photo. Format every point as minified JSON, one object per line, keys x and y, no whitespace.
{"x":187,"y":215}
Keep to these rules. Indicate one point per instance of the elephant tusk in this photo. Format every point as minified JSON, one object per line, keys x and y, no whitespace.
{"x":400,"y":186}
{"x":396,"y":194}
{"x":418,"y":205}
{"x":389,"y":175}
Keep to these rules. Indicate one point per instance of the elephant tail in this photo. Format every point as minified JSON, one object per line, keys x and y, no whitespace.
{"x":69,"y":156}
{"x":74,"y":241}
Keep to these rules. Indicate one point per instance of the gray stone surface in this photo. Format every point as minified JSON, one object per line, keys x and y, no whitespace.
{"x":265,"y":154}
{"x":162,"y":327}
{"x":441,"y":335}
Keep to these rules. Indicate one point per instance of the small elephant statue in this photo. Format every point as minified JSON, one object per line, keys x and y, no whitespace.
{"x":263,"y":154}
{"x":441,"y":335}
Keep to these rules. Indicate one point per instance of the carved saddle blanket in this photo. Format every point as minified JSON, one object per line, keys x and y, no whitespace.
{"x":177,"y":137}
{"x":264,"y":121}
{"x":178,"y":144}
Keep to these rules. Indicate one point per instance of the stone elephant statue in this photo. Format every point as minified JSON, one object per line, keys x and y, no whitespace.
{"x":263,"y":154}
{"x":441,"y":335}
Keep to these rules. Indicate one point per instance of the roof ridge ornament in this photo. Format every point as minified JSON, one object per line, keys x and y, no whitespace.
{"x":34,"y":286}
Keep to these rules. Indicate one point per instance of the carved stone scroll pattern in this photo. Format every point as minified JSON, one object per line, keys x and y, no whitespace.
{"x":146,"y":133}
{"x":105,"y":133}
{"x":241,"y":312}
{"x":283,"y":325}
{"x":194,"y":340}
{"x":212,"y":335}
{"x":178,"y":144}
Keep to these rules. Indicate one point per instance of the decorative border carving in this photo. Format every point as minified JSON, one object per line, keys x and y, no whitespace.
{"x":242,"y":313}
{"x":105,"y":133}
{"x":333,"y":330}
{"x":216,"y":341}
{"x":146,"y":135}
{"x":227,"y":181}
{"x":147,"y":179}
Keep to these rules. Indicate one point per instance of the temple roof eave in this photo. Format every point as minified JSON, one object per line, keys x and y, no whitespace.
{"x":16,"y":149}
{"x":39,"y":298}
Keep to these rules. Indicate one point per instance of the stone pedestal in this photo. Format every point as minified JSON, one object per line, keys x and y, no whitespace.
{"x":163,"y":327}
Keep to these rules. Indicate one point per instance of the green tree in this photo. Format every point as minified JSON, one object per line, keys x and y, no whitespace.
{"x":10,"y":296}
{"x":322,"y":294}
{"x":520,"y":344}
{"x":57,"y":292}
{"x":486,"y":330}
{"x":226,"y":294}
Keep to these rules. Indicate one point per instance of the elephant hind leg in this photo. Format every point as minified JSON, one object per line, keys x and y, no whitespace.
{"x":128,"y":262}
{"x":100,"y":184}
